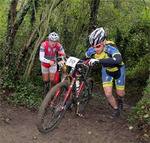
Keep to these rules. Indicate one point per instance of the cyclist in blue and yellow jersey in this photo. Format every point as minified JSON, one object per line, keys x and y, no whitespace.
{"x":106,"y":53}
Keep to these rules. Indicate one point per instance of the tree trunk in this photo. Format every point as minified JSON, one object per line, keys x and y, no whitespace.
{"x":11,"y":18}
{"x":14,"y":26}
{"x":92,"y":18}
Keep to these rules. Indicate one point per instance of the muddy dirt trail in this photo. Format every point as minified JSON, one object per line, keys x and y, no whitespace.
{"x":18,"y":125}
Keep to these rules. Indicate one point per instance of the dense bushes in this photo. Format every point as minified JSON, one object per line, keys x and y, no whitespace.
{"x":140,"y":114}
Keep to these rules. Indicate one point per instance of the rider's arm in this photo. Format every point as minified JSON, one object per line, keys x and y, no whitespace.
{"x":61,"y":49}
{"x":42,"y":55}
{"x":116,"y":59}
{"x":84,"y":58}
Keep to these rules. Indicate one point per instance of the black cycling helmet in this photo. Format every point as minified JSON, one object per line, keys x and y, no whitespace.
{"x":97,"y":36}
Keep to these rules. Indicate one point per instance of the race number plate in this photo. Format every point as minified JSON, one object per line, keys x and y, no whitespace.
{"x":72,"y":61}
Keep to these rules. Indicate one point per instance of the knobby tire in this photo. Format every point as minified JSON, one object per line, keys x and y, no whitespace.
{"x":50,"y":115}
{"x":85,"y":95}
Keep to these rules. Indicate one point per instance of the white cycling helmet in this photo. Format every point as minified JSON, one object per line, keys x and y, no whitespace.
{"x":53,"y":37}
{"x":97,"y":36}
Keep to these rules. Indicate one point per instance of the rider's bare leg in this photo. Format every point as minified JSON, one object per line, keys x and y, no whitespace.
{"x":46,"y":81}
{"x":120,"y":93}
{"x":110,"y":97}
{"x":52,"y":78}
{"x":45,"y":77}
{"x":112,"y":101}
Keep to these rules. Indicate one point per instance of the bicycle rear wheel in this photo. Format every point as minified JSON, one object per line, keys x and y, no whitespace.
{"x":52,"y":109}
{"x":85,"y":95}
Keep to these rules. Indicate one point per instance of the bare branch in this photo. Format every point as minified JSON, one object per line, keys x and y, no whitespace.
{"x":21,"y":6}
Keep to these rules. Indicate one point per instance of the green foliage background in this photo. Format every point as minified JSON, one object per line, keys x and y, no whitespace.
{"x":128,"y":26}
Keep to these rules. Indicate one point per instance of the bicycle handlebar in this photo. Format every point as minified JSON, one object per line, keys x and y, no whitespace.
{"x":84,"y":63}
{"x":78,"y":65}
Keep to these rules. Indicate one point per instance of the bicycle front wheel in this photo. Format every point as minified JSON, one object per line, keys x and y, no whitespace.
{"x":52,"y":108}
{"x":85,"y":95}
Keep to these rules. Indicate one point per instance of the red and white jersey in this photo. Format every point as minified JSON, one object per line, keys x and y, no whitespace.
{"x":48,"y":53}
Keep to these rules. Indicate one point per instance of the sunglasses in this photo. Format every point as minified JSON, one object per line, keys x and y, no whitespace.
{"x":98,"y":45}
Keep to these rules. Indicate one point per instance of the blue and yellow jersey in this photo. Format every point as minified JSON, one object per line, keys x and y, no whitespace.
{"x":110,"y":50}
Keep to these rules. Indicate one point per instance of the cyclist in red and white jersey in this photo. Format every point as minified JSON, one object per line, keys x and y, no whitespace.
{"x":47,"y":57}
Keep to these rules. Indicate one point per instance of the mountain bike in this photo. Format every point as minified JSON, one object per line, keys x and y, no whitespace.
{"x":65,"y":95}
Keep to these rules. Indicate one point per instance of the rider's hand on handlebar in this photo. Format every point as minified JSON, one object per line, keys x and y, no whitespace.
{"x":93,"y":61}
{"x":52,"y":62}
